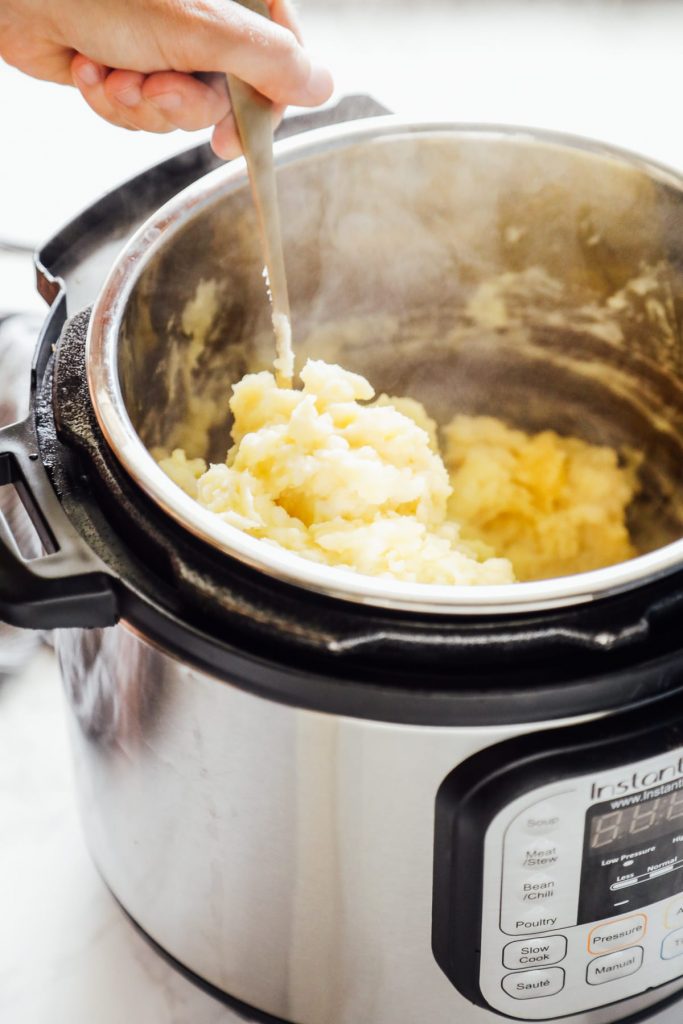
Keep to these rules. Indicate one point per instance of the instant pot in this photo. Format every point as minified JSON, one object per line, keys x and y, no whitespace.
{"x":327,"y":798}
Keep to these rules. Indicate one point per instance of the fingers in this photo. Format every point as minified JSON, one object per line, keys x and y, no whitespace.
{"x":123,"y":90}
{"x":215,"y":36}
{"x":89,"y":79}
{"x":158,"y":102}
{"x":185,"y":101}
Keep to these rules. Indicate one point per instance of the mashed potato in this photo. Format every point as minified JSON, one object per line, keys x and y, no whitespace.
{"x":552,"y":505}
{"x":363,"y":486}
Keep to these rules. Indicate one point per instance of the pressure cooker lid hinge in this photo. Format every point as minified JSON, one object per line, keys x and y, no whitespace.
{"x":65,"y":586}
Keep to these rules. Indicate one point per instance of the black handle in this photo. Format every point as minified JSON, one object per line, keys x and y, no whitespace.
{"x":68,"y":585}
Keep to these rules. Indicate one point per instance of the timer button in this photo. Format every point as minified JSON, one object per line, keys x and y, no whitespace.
{"x":617,"y":934}
{"x":544,"y":853}
{"x":535,"y":952}
{"x":534,"y":984}
{"x":672,"y":945}
{"x":674,"y":913}
{"x":614,"y":966}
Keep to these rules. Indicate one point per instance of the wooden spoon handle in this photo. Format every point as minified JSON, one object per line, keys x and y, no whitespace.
{"x":254,"y":121}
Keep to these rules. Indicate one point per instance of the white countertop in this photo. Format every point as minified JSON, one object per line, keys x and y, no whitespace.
{"x":609,"y":70}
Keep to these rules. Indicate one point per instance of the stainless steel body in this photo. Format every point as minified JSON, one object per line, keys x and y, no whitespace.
{"x":281,"y":854}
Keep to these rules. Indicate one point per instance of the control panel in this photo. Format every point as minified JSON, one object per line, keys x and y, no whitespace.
{"x":578,"y":880}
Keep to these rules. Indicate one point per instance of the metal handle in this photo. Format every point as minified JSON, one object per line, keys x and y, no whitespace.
{"x":65,"y":587}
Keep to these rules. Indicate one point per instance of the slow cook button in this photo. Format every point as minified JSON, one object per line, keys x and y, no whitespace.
{"x":535,"y":952}
{"x":534,"y":889}
{"x":614,"y":966}
{"x":534,"y":984}
{"x":617,"y":934}
{"x":544,"y":853}
{"x":672,"y":945}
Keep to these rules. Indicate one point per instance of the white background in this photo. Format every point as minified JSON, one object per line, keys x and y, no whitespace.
{"x":612,"y":70}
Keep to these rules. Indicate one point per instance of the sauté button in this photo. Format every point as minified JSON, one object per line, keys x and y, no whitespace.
{"x":534,"y":984}
{"x":614,"y":966}
{"x":617,"y":934}
{"x":673,"y":917}
{"x":535,"y":952}
{"x":536,"y":889}
{"x":673,"y":945}
{"x":544,"y":853}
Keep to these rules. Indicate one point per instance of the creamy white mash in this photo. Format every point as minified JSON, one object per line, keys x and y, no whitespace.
{"x":337,"y":478}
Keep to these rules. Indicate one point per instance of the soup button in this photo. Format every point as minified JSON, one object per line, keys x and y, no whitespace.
{"x":534,"y":984}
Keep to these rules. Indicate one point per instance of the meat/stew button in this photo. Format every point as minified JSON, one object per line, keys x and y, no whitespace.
{"x":534,"y":984}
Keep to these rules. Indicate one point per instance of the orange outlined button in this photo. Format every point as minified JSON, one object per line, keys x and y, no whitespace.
{"x":674,"y":914}
{"x":626,"y":931}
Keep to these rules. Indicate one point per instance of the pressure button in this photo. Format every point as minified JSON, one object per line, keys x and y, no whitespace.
{"x":617,"y":934}
{"x":534,"y":984}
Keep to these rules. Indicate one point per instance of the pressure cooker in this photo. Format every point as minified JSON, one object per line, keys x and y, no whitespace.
{"x":335,"y":799}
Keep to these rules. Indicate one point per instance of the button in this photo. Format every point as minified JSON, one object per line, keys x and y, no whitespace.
{"x":540,"y":819}
{"x":537,"y":920}
{"x":544,"y":853}
{"x":614,"y":966}
{"x":674,"y":913}
{"x":534,"y":889}
{"x":617,"y":934}
{"x":534,"y":984}
{"x":672,"y":945}
{"x":536,"y":952}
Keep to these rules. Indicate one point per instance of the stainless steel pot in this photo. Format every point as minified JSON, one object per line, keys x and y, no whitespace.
{"x":478,"y":271}
{"x":315,"y":792}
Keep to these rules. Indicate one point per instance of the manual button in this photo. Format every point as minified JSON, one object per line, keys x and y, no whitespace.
{"x":534,"y":984}
{"x":535,"y":952}
{"x":614,"y":966}
{"x":617,"y":934}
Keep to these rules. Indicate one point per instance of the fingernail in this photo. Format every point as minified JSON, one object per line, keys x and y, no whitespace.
{"x":130,"y":97}
{"x":167,"y":100}
{"x":319,"y":85}
{"x":89,"y":74}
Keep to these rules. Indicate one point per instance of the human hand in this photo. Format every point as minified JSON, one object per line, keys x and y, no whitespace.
{"x":157,"y":65}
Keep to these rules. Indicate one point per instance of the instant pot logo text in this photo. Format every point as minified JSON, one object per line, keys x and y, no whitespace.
{"x":639,"y":780}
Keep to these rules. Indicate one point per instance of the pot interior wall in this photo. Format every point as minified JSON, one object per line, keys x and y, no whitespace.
{"x":480,"y":274}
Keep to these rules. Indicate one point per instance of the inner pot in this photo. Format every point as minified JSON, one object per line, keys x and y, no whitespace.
{"x":524,"y":275}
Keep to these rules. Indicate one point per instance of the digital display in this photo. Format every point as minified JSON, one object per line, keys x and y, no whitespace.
{"x":640,"y":822}
{"x":633,"y":852}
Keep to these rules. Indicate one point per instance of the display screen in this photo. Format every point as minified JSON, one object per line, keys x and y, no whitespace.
{"x":639,"y":822}
{"x":633,"y":852}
